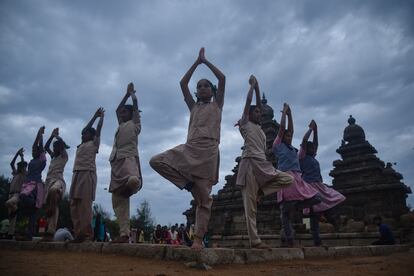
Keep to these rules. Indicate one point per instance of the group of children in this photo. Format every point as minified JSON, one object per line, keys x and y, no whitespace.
{"x":297,"y":178}
{"x":192,"y":166}
{"x":28,"y":193}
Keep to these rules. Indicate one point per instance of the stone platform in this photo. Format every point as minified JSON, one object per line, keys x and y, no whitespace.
{"x":209,"y":256}
{"x":328,"y":239}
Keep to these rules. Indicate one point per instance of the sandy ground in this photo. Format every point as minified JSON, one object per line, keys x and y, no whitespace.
{"x":13,"y":262}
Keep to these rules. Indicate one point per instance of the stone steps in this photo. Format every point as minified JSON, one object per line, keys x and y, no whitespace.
{"x":209,"y":256}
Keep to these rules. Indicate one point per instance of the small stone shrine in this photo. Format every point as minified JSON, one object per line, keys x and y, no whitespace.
{"x":371,"y":187}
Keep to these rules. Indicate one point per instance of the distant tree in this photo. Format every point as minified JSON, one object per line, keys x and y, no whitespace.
{"x":4,"y":196}
{"x":143,"y":220}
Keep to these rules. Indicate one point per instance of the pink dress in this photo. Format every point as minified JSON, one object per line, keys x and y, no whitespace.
{"x":288,"y":162}
{"x":312,"y":174}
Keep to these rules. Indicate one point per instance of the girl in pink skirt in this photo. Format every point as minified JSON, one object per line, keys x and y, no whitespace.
{"x":32,"y":192}
{"x":299,"y":195}
{"x":311,"y":173}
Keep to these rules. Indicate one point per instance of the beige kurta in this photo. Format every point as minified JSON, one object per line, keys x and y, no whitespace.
{"x":195,"y":161}
{"x":55,"y":189}
{"x":255,"y":173}
{"x":16,"y":183}
{"x":55,"y":172}
{"x":199,"y":156}
{"x":126,"y":139}
{"x":124,"y":156}
{"x":254,"y":140}
{"x":83,"y":187}
{"x":86,"y":155}
{"x":15,"y":188}
{"x":254,"y":158}
{"x":84,"y":171}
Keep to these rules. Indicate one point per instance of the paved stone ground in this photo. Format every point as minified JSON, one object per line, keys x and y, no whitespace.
{"x":210,"y":256}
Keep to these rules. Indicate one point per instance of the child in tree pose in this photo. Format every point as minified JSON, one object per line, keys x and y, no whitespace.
{"x":32,"y":193}
{"x":55,"y":183}
{"x":311,"y":173}
{"x":194,"y":165}
{"x":256,"y":176}
{"x":19,"y":175}
{"x":126,"y":178}
{"x":299,"y":195}
{"x":83,"y":187}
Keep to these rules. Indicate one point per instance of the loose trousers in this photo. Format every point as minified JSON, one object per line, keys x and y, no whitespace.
{"x":201,"y":191}
{"x":54,"y":195}
{"x":249,"y":193}
{"x":81,"y":214}
{"x":121,"y":209}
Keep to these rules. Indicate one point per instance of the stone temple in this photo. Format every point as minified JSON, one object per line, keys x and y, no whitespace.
{"x":371,"y":187}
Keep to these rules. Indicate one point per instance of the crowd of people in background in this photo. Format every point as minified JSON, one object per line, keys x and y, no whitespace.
{"x":176,"y":235}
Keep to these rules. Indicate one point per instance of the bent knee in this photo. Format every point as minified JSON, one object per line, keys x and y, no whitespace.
{"x":155,"y":161}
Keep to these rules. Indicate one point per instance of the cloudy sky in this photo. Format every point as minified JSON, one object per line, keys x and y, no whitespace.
{"x":60,"y":60}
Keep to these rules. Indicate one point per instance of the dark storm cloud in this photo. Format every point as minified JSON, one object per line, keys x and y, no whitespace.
{"x":328,"y":59}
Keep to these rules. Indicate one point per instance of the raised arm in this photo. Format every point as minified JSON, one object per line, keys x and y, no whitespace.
{"x":92,"y":120}
{"x":246,"y":111}
{"x":13,"y":162}
{"x":257,"y":90}
{"x":315,"y":135}
{"x":135,"y":111}
{"x":38,"y":142}
{"x":290,"y":120}
{"x":49,"y":141}
{"x":307,"y":135}
{"x":188,"y":98}
{"x":100,"y":113}
{"x":130,"y":89}
{"x":282,"y":127}
{"x":219,"y":75}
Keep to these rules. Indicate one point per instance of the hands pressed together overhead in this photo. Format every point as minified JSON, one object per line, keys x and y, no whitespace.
{"x":253,"y":81}
{"x":130,"y":89}
{"x":201,"y":57}
{"x":100,"y":112}
{"x":312,"y":125}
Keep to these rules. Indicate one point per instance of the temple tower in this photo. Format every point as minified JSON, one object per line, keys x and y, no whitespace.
{"x":371,"y":187}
